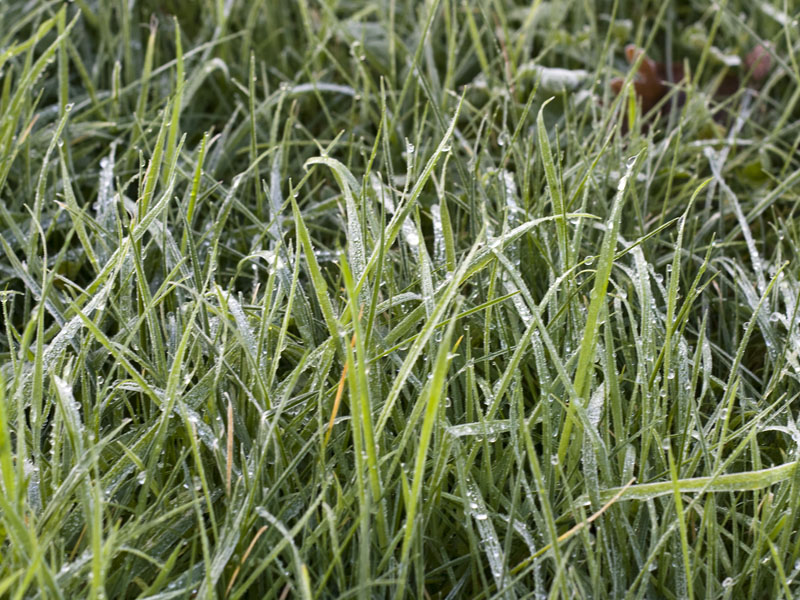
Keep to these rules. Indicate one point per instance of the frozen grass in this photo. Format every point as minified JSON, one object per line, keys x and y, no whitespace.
{"x":337,"y":299}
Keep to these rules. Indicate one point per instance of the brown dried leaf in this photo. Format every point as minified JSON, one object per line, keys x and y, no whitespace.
{"x":758,"y":63}
{"x":648,"y":84}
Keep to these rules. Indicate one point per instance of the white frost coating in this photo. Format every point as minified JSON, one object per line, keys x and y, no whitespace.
{"x":411,"y":235}
{"x":355,"y":243}
{"x":381,"y":192}
{"x":205,"y":433}
{"x":408,"y":229}
{"x":515,"y":212}
{"x":582,"y":96}
{"x":438,"y":234}
{"x":489,"y":540}
{"x":623,"y":181}
{"x":716,"y":161}
{"x":98,"y":302}
{"x":778,"y":15}
{"x":629,"y":463}
{"x":106,"y":199}
{"x":70,"y":569}
{"x":304,"y":88}
{"x":510,"y":185}
{"x":34,"y":493}
{"x":351,"y":190}
{"x":523,"y":532}
{"x":410,"y":232}
{"x":517,"y":299}
{"x":242,"y":325}
{"x":553,"y":79}
{"x":272,"y":258}
{"x":70,"y":408}
{"x":487,"y":428}
{"x":595,"y":409}
{"x":729,"y":60}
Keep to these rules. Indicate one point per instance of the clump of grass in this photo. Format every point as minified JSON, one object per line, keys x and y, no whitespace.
{"x":379,"y":300}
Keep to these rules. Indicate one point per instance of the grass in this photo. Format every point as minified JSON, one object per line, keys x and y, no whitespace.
{"x":334,"y":299}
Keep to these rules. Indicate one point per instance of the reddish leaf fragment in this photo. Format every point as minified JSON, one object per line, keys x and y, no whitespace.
{"x":651,"y":82}
{"x":758,"y":63}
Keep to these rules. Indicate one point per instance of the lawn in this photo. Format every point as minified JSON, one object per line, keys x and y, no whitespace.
{"x":399,"y":299}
